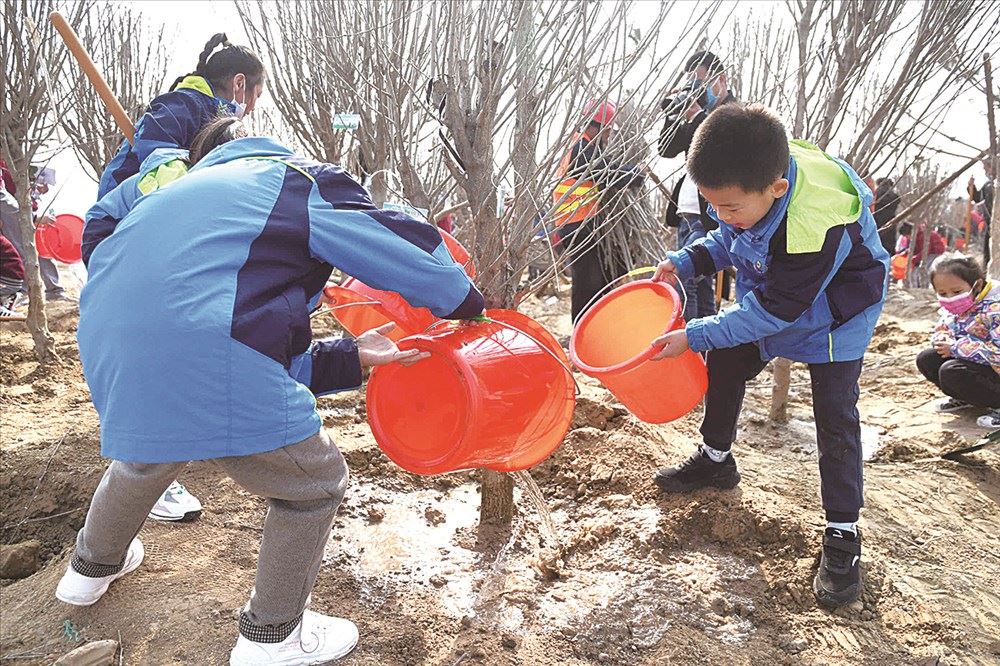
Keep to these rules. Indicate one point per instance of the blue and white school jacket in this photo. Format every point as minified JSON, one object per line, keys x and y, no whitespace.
{"x":811,"y":276}
{"x":194,"y":325}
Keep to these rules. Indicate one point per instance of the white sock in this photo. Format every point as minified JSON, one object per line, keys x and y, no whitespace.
{"x":714,"y":454}
{"x":844,"y":527}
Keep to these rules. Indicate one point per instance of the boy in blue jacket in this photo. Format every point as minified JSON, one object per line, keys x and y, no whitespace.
{"x":811,"y":281}
{"x":195,"y":342}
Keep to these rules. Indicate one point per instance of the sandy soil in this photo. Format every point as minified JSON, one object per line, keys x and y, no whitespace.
{"x":620,"y":576}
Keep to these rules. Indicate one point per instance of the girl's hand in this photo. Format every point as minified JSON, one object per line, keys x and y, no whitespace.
{"x":674,"y":344}
{"x":376,"y":349}
{"x":943,"y":348}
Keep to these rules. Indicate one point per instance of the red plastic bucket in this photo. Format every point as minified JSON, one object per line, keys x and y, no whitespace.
{"x":492,"y":394}
{"x":898,"y":266}
{"x":360,"y":308}
{"x":62,"y":240}
{"x":611,"y":343}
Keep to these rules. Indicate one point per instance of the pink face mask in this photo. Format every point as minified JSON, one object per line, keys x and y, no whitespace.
{"x":958,"y":304}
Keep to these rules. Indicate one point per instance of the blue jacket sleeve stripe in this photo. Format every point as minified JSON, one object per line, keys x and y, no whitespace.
{"x":328,"y":366}
{"x":706,"y":256}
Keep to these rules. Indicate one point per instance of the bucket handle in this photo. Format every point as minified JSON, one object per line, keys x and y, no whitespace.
{"x":486,"y":320}
{"x":632,"y":273}
{"x":350,"y":303}
{"x":330,"y":308}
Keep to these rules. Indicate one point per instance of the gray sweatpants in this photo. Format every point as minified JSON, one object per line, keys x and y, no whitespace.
{"x":303,"y":483}
{"x":47,"y":267}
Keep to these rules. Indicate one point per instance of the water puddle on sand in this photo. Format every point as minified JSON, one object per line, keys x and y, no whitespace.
{"x":410,"y":543}
{"x":409,"y":537}
{"x":646,"y":601}
{"x":871,"y":437}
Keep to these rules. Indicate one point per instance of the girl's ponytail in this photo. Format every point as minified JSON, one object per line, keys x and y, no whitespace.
{"x":216,"y":40}
{"x":201,"y":69}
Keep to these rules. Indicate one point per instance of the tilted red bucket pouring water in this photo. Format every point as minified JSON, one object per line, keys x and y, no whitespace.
{"x":611,"y":342}
{"x":494,"y":394}
{"x":360,"y":308}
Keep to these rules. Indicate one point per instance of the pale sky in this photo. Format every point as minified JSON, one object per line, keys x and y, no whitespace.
{"x":967,"y":121}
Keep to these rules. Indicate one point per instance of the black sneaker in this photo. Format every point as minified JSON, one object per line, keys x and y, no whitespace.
{"x":838,"y":581}
{"x":698,"y":471}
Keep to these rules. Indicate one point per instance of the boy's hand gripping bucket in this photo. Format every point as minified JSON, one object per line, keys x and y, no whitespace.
{"x":360,"y":308}
{"x":495,"y":393}
{"x":611,"y":342}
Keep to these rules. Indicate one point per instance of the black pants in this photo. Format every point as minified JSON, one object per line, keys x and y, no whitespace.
{"x":594,"y":265}
{"x":835,"y":408}
{"x":967,"y":381}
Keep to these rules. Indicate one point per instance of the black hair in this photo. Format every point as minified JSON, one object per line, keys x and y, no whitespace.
{"x":905,"y":228}
{"x":886,"y":181}
{"x":742,"y":146}
{"x":216,"y":132}
{"x":961,"y":266}
{"x":705,"y":59}
{"x":229,"y":61}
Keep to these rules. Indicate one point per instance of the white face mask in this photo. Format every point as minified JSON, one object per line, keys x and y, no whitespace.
{"x":241,"y":107}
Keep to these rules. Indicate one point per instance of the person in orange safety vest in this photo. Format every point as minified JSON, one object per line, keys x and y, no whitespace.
{"x":584,"y":175}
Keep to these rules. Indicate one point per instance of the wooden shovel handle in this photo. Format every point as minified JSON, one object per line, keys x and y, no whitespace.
{"x":90,"y":69}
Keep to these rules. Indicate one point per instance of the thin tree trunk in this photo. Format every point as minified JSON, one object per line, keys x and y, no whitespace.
{"x":994,"y":267}
{"x":782,"y":369}
{"x":45,"y":344}
{"x":496,"y":509}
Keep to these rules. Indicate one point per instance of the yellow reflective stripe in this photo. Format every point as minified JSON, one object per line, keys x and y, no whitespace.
{"x":162,"y":176}
{"x":195,"y":82}
{"x":570,"y":206}
{"x":578,"y":190}
{"x":286,"y":163}
{"x":831,"y":347}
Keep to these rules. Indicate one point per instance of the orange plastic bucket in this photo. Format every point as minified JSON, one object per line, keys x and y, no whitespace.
{"x":611,"y":343}
{"x":62,"y":240}
{"x":898,"y":266}
{"x":494,"y":394}
{"x":360,"y":308}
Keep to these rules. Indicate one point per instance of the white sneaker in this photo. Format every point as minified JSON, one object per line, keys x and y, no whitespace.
{"x":8,"y":308}
{"x":317,"y":640}
{"x":176,"y":504}
{"x":950,"y":405}
{"x":991,"y":420}
{"x":80,"y":590}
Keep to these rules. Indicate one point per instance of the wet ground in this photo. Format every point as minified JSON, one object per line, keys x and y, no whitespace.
{"x":621,"y":575}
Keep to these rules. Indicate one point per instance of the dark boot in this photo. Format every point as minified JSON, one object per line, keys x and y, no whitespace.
{"x":838,"y":581}
{"x":698,"y":471}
